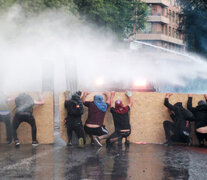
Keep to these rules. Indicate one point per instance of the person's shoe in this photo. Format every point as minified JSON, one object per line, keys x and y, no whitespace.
{"x":168,"y":143}
{"x":35,"y":143}
{"x":9,"y":141}
{"x":69,"y":143}
{"x":16,"y":142}
{"x":201,"y":143}
{"x":189,"y":143}
{"x":92,"y":142}
{"x":98,"y":141}
{"x":80,"y":142}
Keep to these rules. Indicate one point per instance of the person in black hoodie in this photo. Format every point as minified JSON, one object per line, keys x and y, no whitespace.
{"x":200,"y":114}
{"x":73,"y":121}
{"x":180,"y":127}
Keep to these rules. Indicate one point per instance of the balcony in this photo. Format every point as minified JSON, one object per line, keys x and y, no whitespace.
{"x":159,"y":37}
{"x":157,"y":18}
{"x":164,"y":3}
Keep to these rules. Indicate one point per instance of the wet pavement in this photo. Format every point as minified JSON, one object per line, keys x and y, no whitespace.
{"x":151,"y":162}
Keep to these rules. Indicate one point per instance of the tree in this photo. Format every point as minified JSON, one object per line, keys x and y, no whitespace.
{"x":36,"y":6}
{"x":194,"y":25}
{"x":124,"y":17}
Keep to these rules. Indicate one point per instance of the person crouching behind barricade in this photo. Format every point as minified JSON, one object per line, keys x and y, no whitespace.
{"x":73,"y":121}
{"x":96,"y":113}
{"x":5,"y":115}
{"x":180,"y":128}
{"x":121,"y":120}
{"x":200,"y":114}
{"x":24,"y":113}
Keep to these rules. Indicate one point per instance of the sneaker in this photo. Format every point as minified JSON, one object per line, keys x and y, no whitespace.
{"x":9,"y":141}
{"x":98,"y":141}
{"x":80,"y":142}
{"x":69,"y":143}
{"x":35,"y":143}
{"x":201,"y":143}
{"x":16,"y":143}
{"x":92,"y":142}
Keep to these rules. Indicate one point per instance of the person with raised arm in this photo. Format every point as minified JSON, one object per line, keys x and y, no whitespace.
{"x":200,"y":114}
{"x":178,"y":130}
{"x":5,"y":115}
{"x":24,"y":113}
{"x":73,"y":121}
{"x":121,"y":120}
{"x":94,"y":125}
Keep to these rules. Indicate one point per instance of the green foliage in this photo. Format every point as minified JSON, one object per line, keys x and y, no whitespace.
{"x":36,"y":6}
{"x":194,"y":25}
{"x":123,"y":17}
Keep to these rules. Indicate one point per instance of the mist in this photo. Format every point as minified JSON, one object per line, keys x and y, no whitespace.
{"x":76,"y":55}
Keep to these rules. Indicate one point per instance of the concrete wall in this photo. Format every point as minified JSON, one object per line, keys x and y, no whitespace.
{"x":44,"y":116}
{"x":147,"y":115}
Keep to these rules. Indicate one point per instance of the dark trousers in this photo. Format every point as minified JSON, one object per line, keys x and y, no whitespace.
{"x":177,"y":135}
{"x":77,"y":128}
{"x":24,"y":117}
{"x":6,"y":120}
{"x":119,"y":135}
{"x":201,"y":136}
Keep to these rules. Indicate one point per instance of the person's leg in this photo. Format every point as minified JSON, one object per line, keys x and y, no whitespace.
{"x":112,"y":138}
{"x":16,"y":122}
{"x":80,"y":134}
{"x":8,"y":128}
{"x":103,"y":134}
{"x":168,"y":127}
{"x":30,"y":119}
{"x":200,"y":138}
{"x":69,"y":133}
{"x":89,"y":131}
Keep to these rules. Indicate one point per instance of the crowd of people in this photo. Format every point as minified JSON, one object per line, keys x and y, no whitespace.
{"x":177,"y":130}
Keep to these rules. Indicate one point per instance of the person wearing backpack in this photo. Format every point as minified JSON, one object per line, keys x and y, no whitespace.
{"x":5,"y":115}
{"x":200,"y":114}
{"x":73,"y":121}
{"x":178,"y":130}
{"x":24,"y":113}
{"x":96,"y":113}
{"x":121,"y":120}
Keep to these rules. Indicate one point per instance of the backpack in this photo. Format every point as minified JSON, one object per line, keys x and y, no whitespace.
{"x":74,"y":107}
{"x":24,"y":103}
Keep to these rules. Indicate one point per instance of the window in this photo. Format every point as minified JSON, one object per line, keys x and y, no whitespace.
{"x":148,"y":28}
{"x":173,"y":15}
{"x":169,"y":31}
{"x":170,"y":15}
{"x":149,"y":10}
{"x":173,"y":32}
{"x":166,"y":29}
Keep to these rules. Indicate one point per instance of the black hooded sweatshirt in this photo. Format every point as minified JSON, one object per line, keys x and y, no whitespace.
{"x":181,"y":116}
{"x":74,"y":108}
{"x":199,"y":112}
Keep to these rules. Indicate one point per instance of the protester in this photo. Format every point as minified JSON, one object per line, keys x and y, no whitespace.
{"x":24,"y":113}
{"x":121,"y":120}
{"x":200,"y":114}
{"x":94,"y":125}
{"x":5,"y":115}
{"x":73,"y":121}
{"x":180,"y":128}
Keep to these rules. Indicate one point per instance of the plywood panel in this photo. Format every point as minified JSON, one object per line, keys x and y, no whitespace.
{"x":147,"y":115}
{"x":44,"y":116}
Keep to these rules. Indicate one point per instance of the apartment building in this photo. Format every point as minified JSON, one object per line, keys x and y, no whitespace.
{"x":162,"y":28}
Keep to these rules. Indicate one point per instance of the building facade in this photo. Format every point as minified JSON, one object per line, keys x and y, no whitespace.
{"x":162,"y":28}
